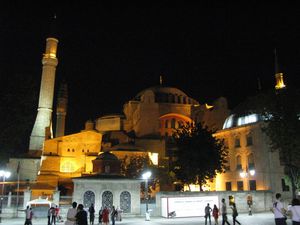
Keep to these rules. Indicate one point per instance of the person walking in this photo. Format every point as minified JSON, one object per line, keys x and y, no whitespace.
{"x":295,"y":211}
{"x":49,"y":216}
{"x":71,"y":219}
{"x":234,"y":214}
{"x":113,"y":215}
{"x":53,"y":215}
{"x":100,"y":215}
{"x":57,"y":216}
{"x":105,"y":216}
{"x":28,"y":216}
{"x":215,"y":214}
{"x":279,"y":211}
{"x":207,"y":212}
{"x":224,"y":212}
{"x":92,"y":214}
{"x":81,"y":216}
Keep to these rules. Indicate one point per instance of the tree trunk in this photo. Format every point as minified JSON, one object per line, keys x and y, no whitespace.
{"x":200,"y":184}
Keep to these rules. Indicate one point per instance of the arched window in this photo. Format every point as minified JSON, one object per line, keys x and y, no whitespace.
{"x":88,"y":198}
{"x":125,"y":201}
{"x":67,"y":167}
{"x":107,"y":199}
{"x":238,"y":162}
{"x":251,"y":161}
{"x":166,"y":123}
{"x":173,"y":123}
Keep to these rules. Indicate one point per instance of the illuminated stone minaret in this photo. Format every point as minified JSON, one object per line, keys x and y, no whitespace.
{"x":278,"y":74}
{"x":44,"y":114}
{"x":61,"y":110}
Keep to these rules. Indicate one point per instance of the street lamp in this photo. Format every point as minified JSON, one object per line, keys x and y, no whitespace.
{"x":247,"y":173}
{"x":146,"y":176}
{"x":4,"y":174}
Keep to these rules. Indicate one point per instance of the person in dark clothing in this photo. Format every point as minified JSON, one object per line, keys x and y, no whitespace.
{"x":81,"y":216}
{"x":234,"y":214}
{"x":100,"y":215}
{"x":207,"y":212}
{"x":92,"y":214}
{"x":113,"y":215}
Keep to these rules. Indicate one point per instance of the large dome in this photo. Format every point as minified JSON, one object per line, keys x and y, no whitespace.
{"x":167,"y":95}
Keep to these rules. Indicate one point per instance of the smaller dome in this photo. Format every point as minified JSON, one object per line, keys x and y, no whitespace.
{"x":235,"y":121}
{"x":107,"y":156}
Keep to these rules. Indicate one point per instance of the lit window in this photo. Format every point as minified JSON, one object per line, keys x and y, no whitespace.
{"x":238,"y":162}
{"x":240,"y":185}
{"x":228,"y":186}
{"x":67,"y":167}
{"x":252,"y":185}
{"x":173,"y":122}
{"x":249,"y":140}
{"x":237,"y":142}
{"x":166,"y":123}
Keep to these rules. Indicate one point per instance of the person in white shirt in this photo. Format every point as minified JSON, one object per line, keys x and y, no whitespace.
{"x":295,"y":211}
{"x":71,"y":219}
{"x":279,"y":211}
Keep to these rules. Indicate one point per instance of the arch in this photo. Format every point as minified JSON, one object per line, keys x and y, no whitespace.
{"x":125,"y":201}
{"x":107,"y":199}
{"x":88,"y":198}
{"x":176,"y":115}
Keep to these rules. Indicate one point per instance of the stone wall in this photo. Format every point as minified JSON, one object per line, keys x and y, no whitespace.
{"x":262,"y":200}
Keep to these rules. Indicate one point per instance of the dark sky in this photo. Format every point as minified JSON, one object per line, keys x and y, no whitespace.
{"x":109,"y":53}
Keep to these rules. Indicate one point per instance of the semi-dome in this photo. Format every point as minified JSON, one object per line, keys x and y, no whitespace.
{"x":235,"y":121}
{"x":165,"y":94}
{"x":107,"y":156}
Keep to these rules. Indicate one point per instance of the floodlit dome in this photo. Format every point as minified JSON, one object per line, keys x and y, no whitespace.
{"x":235,"y":121}
{"x":164,"y":94}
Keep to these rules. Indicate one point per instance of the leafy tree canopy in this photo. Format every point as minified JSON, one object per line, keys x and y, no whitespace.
{"x":281,"y":112}
{"x":200,"y":156}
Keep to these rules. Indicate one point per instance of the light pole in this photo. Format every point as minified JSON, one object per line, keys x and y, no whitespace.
{"x":4,"y":174}
{"x":146,"y":176}
{"x":246,"y":174}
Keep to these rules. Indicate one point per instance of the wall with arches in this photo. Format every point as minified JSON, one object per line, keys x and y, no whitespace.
{"x":122,"y":193}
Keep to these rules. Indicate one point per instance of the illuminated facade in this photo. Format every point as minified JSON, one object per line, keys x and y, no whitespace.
{"x":143,"y":129}
{"x":251,"y":163}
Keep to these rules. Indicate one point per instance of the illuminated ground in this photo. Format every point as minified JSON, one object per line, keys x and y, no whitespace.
{"x":256,"y":219}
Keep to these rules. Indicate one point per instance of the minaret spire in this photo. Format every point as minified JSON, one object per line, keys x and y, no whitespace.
{"x":44,"y":116}
{"x":61,"y":109}
{"x":278,"y":74}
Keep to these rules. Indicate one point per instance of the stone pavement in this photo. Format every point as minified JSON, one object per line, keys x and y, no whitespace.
{"x":257,"y":219}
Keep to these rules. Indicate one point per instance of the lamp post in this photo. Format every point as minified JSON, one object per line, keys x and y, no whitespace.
{"x":246,"y":174}
{"x":4,"y":174}
{"x":146,"y":176}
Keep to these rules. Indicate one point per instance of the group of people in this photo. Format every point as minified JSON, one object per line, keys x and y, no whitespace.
{"x":104,"y":215}
{"x":281,"y":214}
{"x":53,"y":215}
{"x":216,"y":212}
{"x":78,"y":216}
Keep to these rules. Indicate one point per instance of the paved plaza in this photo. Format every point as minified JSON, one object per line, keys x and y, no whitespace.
{"x":256,"y":219}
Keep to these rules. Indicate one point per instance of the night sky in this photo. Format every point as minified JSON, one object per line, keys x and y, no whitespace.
{"x":108,"y":54}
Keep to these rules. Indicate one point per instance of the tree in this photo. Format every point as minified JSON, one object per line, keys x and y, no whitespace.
{"x":280,"y":111}
{"x":134,"y":166}
{"x":199,"y":155}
